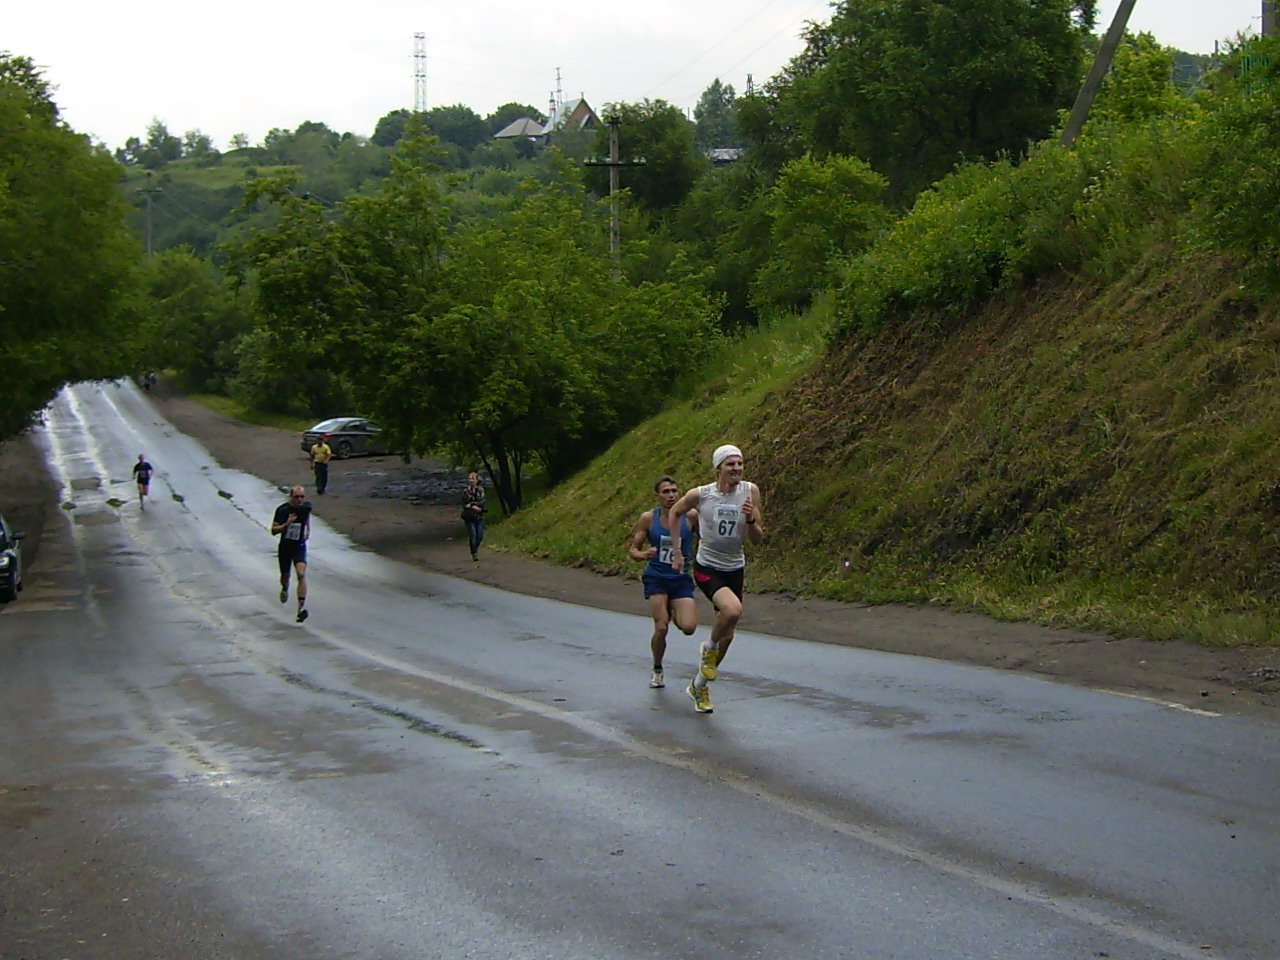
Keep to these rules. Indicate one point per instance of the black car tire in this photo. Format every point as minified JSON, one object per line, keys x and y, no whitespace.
{"x":344,"y":449}
{"x":9,"y":589}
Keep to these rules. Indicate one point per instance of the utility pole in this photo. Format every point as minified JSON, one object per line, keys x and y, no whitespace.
{"x":615,"y":224}
{"x":147,"y":192}
{"x":1268,"y":18}
{"x":615,"y":163}
{"x":1101,"y":64}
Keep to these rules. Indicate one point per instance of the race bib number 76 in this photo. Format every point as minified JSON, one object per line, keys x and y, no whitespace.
{"x":664,"y":550}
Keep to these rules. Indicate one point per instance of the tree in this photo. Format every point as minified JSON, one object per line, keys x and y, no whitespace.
{"x":239,"y":141}
{"x":819,"y":211}
{"x":161,"y":146}
{"x":916,"y":86}
{"x":336,"y":287}
{"x":67,"y":256}
{"x":458,"y":125}
{"x":538,"y":354}
{"x":193,"y":319}
{"x":725,"y":220}
{"x":1140,"y":84}
{"x":714,"y":116}
{"x":196,"y":144}
{"x":390,"y":128}
{"x":659,"y":134}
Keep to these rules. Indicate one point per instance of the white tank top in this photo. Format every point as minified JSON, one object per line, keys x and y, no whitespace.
{"x":721,"y":526}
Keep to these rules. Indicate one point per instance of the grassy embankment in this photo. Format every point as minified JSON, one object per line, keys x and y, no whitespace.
{"x":1053,"y":394}
{"x":232,"y":408}
{"x":1106,"y":459}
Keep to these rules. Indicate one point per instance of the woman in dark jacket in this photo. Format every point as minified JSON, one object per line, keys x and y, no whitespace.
{"x":473,"y":512}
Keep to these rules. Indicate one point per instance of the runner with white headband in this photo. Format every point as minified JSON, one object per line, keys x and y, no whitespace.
{"x":729,"y":513}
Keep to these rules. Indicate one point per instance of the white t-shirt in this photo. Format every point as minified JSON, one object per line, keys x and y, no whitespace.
{"x":721,"y":526}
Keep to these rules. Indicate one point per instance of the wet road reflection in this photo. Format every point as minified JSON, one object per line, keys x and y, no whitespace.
{"x":431,"y":767}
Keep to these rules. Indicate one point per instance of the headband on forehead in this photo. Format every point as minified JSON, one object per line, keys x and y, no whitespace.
{"x":723,"y":453}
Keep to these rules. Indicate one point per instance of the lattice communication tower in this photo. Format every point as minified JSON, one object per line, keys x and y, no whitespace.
{"x":419,"y":73}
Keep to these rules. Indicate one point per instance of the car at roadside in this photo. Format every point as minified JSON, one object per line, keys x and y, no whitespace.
{"x":346,"y":436}
{"x":10,"y":561}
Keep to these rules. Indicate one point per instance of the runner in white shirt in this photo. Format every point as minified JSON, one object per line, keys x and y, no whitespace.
{"x":729,"y":513}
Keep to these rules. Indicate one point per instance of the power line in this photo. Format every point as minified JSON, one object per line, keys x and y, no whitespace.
{"x":804,"y":17}
{"x":740,"y":26}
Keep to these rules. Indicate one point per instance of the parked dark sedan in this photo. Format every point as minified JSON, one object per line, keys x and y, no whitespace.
{"x":10,"y":561}
{"x":347,"y":436}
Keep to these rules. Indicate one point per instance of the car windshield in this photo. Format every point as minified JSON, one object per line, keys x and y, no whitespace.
{"x":327,"y":426}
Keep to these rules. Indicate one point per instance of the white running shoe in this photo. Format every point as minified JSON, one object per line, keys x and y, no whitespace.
{"x":657,"y":680}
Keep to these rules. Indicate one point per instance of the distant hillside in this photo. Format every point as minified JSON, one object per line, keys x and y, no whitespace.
{"x":191,"y":202}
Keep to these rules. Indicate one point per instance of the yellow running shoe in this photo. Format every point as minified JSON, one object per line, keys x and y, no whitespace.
{"x":710,"y":662}
{"x":701,"y":698}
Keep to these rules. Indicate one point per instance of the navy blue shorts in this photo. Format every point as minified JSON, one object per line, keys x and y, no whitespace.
{"x":679,"y":587}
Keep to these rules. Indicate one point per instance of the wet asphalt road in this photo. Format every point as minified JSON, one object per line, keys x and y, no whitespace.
{"x":432,"y":768}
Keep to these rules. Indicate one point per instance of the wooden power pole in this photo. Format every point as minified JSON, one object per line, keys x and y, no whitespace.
{"x":1101,"y":64}
{"x":1268,"y":18}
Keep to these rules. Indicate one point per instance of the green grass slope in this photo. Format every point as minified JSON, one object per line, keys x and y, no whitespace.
{"x":1098,"y":456}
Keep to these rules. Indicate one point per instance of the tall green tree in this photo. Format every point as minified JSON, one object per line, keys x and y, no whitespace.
{"x":457,"y":124}
{"x":1140,"y":84}
{"x":555,"y":356}
{"x":391,"y":127}
{"x":916,"y":86}
{"x":193,"y":319}
{"x":161,"y":146}
{"x":67,"y":257}
{"x":336,"y":286}
{"x":819,"y":211}
{"x":725,"y":221}
{"x":714,"y":116}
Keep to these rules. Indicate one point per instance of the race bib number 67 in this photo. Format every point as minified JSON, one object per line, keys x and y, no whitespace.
{"x":726,"y":520}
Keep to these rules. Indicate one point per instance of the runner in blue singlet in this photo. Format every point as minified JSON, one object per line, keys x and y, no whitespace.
{"x":670,"y":594}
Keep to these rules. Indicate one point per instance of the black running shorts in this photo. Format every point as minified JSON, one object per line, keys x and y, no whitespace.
{"x":295,"y":552}
{"x":711,"y":580}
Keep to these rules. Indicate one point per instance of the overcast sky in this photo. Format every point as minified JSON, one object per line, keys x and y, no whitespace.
{"x":245,"y":66}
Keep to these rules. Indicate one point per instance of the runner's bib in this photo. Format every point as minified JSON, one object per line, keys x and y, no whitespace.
{"x":664,"y":550}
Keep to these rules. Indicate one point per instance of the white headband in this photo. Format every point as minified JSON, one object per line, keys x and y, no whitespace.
{"x":723,"y":453}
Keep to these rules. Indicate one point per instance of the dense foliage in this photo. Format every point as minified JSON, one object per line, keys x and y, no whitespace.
{"x":67,"y":256}
{"x":915,"y":87}
{"x":508,"y":341}
{"x":1152,"y":169}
